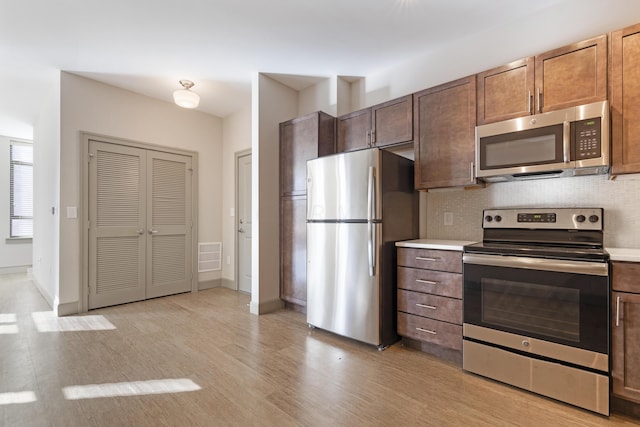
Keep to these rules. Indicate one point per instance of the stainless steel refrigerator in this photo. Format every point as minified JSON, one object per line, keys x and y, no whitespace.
{"x":358,"y":205}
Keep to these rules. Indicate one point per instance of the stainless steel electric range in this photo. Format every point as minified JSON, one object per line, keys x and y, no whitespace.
{"x":536,"y":303}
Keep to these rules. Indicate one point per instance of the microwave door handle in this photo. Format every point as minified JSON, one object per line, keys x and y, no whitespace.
{"x":566,"y":141}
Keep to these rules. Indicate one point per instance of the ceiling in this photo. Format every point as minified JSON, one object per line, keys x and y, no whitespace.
{"x":146,"y":46}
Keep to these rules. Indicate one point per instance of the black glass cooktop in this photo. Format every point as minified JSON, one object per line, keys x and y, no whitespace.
{"x":569,"y":252}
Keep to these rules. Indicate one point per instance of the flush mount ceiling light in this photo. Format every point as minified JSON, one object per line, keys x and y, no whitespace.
{"x":184,"y":97}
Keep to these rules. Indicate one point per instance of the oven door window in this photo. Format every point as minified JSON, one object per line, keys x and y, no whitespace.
{"x":537,"y":309}
{"x":565,"y":308}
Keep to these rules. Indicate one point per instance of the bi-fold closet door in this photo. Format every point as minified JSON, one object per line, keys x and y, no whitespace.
{"x":140,"y":224}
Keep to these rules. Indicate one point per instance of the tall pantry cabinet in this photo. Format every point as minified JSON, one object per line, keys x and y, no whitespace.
{"x":301,"y":139}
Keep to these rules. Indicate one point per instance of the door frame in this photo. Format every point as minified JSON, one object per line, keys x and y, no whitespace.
{"x":236,"y":272}
{"x":83,"y":211}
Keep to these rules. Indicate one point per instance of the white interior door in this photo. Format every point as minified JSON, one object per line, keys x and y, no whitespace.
{"x":117,"y":240}
{"x":244,"y":223}
{"x":168,"y":224}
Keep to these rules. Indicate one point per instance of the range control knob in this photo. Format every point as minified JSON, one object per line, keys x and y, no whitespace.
{"x":498,"y":218}
{"x":594,"y":218}
{"x":488,"y":218}
{"x":580,"y":218}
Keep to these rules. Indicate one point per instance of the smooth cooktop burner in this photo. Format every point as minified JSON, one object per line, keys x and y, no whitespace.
{"x":539,"y":251}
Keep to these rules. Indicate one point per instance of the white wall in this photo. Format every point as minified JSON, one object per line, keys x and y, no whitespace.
{"x":272,"y":103}
{"x":321,"y":96}
{"x":46,"y":193}
{"x":236,"y":135}
{"x":15,"y":255}
{"x":90,"y":106}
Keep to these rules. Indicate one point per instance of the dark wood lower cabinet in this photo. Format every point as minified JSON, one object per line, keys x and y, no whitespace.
{"x":625,"y":338}
{"x":293,"y":249}
{"x":625,"y":345}
{"x":430,"y":301}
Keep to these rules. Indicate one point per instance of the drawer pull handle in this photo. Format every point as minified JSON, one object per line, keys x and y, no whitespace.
{"x":421,"y":258}
{"x":427,"y":331}
{"x":428,"y":282}
{"x":432,"y":307}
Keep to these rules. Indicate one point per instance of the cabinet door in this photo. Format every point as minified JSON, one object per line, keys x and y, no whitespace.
{"x":354,"y":131}
{"x":298,"y":143}
{"x":625,"y":100}
{"x":506,"y":92}
{"x":444,"y":128}
{"x":293,"y":249}
{"x":392,"y":122}
{"x":572,"y":75}
{"x":625,"y":345}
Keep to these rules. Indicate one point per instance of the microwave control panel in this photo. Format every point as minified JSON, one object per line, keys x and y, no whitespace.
{"x":588,"y":138}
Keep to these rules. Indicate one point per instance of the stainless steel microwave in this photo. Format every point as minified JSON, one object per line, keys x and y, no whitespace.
{"x":569,"y":142}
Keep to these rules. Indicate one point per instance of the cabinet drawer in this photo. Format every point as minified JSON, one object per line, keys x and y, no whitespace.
{"x":429,"y":330}
{"x":432,"y":306}
{"x":431,"y":259}
{"x":624,"y":276}
{"x":430,"y":282}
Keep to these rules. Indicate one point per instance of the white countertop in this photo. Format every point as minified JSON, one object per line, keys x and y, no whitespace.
{"x":624,"y":254}
{"x":445,"y":245}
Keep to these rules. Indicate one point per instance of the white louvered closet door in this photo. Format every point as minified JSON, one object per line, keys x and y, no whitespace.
{"x":117,"y":237}
{"x":169,"y":257}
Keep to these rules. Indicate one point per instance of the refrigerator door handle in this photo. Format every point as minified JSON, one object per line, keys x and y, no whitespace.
{"x":371,"y":199}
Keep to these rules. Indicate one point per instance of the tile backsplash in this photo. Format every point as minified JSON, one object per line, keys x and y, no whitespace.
{"x":620,"y":199}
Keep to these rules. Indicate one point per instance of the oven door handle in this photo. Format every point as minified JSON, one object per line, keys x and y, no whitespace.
{"x":542,"y":264}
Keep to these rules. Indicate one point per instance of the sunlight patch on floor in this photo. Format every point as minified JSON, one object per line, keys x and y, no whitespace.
{"x":47,"y":321}
{"x":8,"y":318}
{"x":8,"y":329}
{"x":132,"y":388}
{"x":11,"y":398}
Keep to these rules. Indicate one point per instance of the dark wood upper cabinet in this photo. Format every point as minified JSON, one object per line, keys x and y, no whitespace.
{"x":444,"y":129}
{"x":354,"y":131}
{"x":392,"y":122}
{"x":624,"y":81}
{"x":572,"y":75}
{"x":506,"y":92}
{"x":382,"y":125}
{"x":302,"y":139}
{"x":561,"y":78}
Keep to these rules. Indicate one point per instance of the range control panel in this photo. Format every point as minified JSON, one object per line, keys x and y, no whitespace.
{"x":536,"y":217}
{"x":544,"y":218}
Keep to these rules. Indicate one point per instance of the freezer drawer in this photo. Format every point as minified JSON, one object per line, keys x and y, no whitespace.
{"x":342,"y":296}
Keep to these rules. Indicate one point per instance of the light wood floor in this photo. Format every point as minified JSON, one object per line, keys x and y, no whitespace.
{"x":251,"y":371}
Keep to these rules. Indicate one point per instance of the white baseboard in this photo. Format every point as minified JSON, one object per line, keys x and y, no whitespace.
{"x":209,"y":284}
{"x":15,"y":269}
{"x":67,"y":309}
{"x":266,"y":307}
{"x":229,"y":284}
{"x":45,"y":294}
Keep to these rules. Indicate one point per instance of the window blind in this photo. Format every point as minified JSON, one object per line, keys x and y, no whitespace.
{"x":21,"y":189}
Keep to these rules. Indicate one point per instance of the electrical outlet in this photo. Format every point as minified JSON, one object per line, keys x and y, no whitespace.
{"x":448,"y":218}
{"x":228,"y":259}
